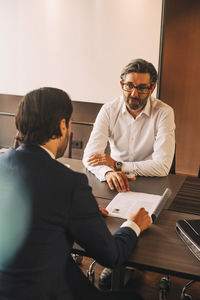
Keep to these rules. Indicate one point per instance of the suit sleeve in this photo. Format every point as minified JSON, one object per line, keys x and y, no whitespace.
{"x":87,"y":227}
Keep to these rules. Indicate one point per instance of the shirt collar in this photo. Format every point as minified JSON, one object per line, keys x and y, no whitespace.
{"x":146,"y":110}
{"x":48,"y":151}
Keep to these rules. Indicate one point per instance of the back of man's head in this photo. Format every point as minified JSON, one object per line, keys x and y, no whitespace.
{"x":39,"y":115}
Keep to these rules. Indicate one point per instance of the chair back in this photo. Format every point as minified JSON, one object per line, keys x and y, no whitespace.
{"x":68,"y":151}
{"x":7,"y":129}
{"x":173,"y":166}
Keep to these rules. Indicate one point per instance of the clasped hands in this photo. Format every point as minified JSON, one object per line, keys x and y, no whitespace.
{"x":119,"y":180}
{"x":115,"y":179}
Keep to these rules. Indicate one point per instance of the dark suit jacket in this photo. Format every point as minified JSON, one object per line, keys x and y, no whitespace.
{"x":63,"y":211}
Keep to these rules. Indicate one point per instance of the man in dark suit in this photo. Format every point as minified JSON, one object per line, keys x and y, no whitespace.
{"x":61,"y":210}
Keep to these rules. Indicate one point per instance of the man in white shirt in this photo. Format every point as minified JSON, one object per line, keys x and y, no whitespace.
{"x":140,"y":130}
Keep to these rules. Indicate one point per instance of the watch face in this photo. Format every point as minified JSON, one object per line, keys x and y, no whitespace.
{"x":118,"y":165}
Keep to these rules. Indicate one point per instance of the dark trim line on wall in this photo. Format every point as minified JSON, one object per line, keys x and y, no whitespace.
{"x":83,"y":123}
{"x":160,"y":61}
{"x":6,"y":114}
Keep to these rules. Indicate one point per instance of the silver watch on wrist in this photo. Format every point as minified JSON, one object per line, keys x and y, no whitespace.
{"x":118,"y":165}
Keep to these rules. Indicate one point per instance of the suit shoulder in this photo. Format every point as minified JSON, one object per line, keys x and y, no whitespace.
{"x":66,"y":171}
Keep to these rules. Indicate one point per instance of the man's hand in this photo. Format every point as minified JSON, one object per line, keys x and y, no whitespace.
{"x":141,"y":218}
{"x":104,"y":212}
{"x":118,"y":180}
{"x":97,"y":159}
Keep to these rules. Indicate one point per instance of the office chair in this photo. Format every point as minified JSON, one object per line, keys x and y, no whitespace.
{"x":68,"y":151}
{"x":164,"y":287}
{"x":82,"y":132}
{"x":185,"y":296}
{"x":8,"y":130}
{"x":9,"y":140}
{"x":173,"y":166}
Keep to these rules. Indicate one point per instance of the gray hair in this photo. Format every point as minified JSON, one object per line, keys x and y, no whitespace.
{"x":140,"y":66}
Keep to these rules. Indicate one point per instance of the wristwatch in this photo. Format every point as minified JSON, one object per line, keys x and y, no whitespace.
{"x":118,"y":165}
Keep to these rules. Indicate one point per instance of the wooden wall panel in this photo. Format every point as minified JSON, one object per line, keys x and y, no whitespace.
{"x":180,"y":81}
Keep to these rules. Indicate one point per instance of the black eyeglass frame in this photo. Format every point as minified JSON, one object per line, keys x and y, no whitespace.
{"x":139,"y":88}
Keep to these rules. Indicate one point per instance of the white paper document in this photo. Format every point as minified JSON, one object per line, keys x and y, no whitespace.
{"x":127,"y":203}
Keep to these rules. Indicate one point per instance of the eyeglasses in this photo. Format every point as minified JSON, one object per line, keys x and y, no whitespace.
{"x":141,"y":89}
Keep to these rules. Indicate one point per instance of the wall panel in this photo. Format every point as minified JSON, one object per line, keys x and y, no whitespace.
{"x":181,"y":79}
{"x":80,"y":46}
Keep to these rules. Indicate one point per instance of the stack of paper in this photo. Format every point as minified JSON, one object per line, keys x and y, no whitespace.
{"x":127,"y":203}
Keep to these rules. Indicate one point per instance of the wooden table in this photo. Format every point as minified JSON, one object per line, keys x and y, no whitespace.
{"x":159,"y":248}
{"x":151,"y":185}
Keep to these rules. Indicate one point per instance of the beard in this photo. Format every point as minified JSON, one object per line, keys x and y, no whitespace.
{"x":136,"y":103}
{"x":63,"y":146}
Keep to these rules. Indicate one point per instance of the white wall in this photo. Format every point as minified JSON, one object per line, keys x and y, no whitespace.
{"x":80,"y":46}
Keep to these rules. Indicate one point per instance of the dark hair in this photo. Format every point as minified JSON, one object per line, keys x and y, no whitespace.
{"x":140,"y":66}
{"x":39,"y":114}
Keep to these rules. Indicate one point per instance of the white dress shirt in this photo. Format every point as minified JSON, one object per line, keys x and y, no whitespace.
{"x":144,"y":144}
